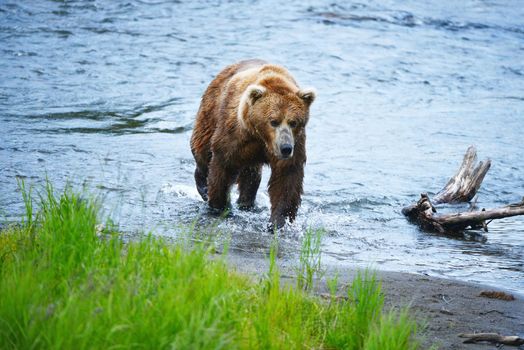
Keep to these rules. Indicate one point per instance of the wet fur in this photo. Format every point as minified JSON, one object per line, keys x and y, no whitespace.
{"x":232,"y":138}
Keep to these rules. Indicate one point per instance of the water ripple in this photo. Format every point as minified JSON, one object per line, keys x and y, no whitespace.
{"x":104,"y":94}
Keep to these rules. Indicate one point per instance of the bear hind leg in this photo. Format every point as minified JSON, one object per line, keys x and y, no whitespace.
{"x":201,"y":181}
{"x":248,"y":183}
{"x":202,"y":158}
{"x":220,"y":180}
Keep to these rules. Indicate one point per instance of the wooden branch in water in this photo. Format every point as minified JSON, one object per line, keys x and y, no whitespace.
{"x":492,"y":338}
{"x":424,"y":214}
{"x":460,"y":188}
{"x":464,"y":185}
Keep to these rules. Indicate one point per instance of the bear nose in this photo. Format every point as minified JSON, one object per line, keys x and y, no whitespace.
{"x":286,"y":149}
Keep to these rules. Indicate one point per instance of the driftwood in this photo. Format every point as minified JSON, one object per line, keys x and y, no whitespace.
{"x":464,"y":185}
{"x":492,"y":338}
{"x":460,"y":188}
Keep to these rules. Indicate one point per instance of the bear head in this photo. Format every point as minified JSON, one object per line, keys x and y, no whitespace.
{"x":277,"y":114}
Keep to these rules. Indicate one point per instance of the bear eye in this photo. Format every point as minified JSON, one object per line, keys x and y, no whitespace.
{"x":274,"y":123}
{"x":292,"y":124}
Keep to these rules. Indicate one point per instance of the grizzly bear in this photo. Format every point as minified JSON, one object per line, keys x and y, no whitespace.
{"x":253,"y":113}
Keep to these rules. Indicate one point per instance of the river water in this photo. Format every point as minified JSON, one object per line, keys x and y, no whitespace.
{"x":103,"y":94}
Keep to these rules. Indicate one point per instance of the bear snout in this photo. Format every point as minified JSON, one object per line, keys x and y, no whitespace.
{"x":286,"y":150}
{"x":284,"y":142}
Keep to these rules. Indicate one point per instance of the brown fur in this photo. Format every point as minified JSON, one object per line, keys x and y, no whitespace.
{"x":231,"y":146}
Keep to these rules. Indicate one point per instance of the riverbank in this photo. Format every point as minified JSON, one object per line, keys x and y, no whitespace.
{"x":444,"y":307}
{"x":68,"y":282}
{"x":451,"y":307}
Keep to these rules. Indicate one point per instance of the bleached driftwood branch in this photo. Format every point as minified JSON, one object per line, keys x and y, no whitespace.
{"x":464,"y":185}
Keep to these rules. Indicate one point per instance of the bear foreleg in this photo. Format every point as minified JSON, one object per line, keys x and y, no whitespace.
{"x":285,"y":191}
{"x":248,"y":183}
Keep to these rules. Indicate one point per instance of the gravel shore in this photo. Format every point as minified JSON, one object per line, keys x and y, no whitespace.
{"x":444,"y":307}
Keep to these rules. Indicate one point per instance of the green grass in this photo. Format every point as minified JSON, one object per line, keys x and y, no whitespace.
{"x":310,"y":267}
{"x":66,"y":285}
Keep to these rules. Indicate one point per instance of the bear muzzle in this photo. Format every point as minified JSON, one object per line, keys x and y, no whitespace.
{"x":284,"y":143}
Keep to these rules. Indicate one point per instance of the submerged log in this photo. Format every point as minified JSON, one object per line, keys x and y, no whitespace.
{"x":424,"y":214}
{"x":460,"y":188}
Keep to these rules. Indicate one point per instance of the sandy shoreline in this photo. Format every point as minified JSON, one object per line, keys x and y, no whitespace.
{"x":449,"y":307}
{"x":446,"y":307}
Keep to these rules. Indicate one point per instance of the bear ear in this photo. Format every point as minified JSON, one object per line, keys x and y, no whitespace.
{"x":249,"y":97}
{"x":254,"y":92}
{"x":307,"y":95}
